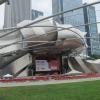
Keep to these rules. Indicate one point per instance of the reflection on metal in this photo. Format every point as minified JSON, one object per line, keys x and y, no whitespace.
{"x":10,"y":57}
{"x":44,"y":39}
{"x":94,"y":65}
{"x":65,"y":39}
{"x":58,"y":38}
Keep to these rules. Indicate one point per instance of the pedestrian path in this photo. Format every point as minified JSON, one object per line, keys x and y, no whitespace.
{"x":77,"y":78}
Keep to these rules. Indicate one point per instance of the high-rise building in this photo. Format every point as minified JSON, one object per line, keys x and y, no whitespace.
{"x":17,"y":11}
{"x":91,"y":29}
{"x":57,"y":7}
{"x":78,"y":18}
{"x":74,"y":18}
{"x":36,"y":13}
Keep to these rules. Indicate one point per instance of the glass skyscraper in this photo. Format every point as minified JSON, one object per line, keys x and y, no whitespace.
{"x":36,"y":13}
{"x":74,"y":18}
{"x":91,"y":29}
{"x":78,"y":18}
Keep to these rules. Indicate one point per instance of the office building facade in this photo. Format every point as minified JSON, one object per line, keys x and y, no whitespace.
{"x":74,"y":18}
{"x":91,"y":29}
{"x":36,"y":13}
{"x":78,"y":18}
{"x":56,"y":8}
{"x":17,"y":11}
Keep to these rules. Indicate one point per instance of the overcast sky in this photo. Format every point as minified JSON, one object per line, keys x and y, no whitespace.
{"x":42,"y":5}
{"x":1,"y":15}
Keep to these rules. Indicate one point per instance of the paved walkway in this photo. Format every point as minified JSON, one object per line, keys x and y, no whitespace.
{"x":46,"y":82}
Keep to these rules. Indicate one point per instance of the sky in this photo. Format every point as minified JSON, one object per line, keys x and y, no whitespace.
{"x":41,"y":5}
{"x":1,"y":15}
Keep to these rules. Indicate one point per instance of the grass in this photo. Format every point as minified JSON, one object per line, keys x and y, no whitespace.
{"x":73,"y":91}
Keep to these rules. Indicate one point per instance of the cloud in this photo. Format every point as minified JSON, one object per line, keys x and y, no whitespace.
{"x":43,"y":5}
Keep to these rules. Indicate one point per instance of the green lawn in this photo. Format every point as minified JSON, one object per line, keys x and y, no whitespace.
{"x":73,"y":91}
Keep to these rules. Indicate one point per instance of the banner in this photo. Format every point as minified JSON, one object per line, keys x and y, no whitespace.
{"x":42,"y":65}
